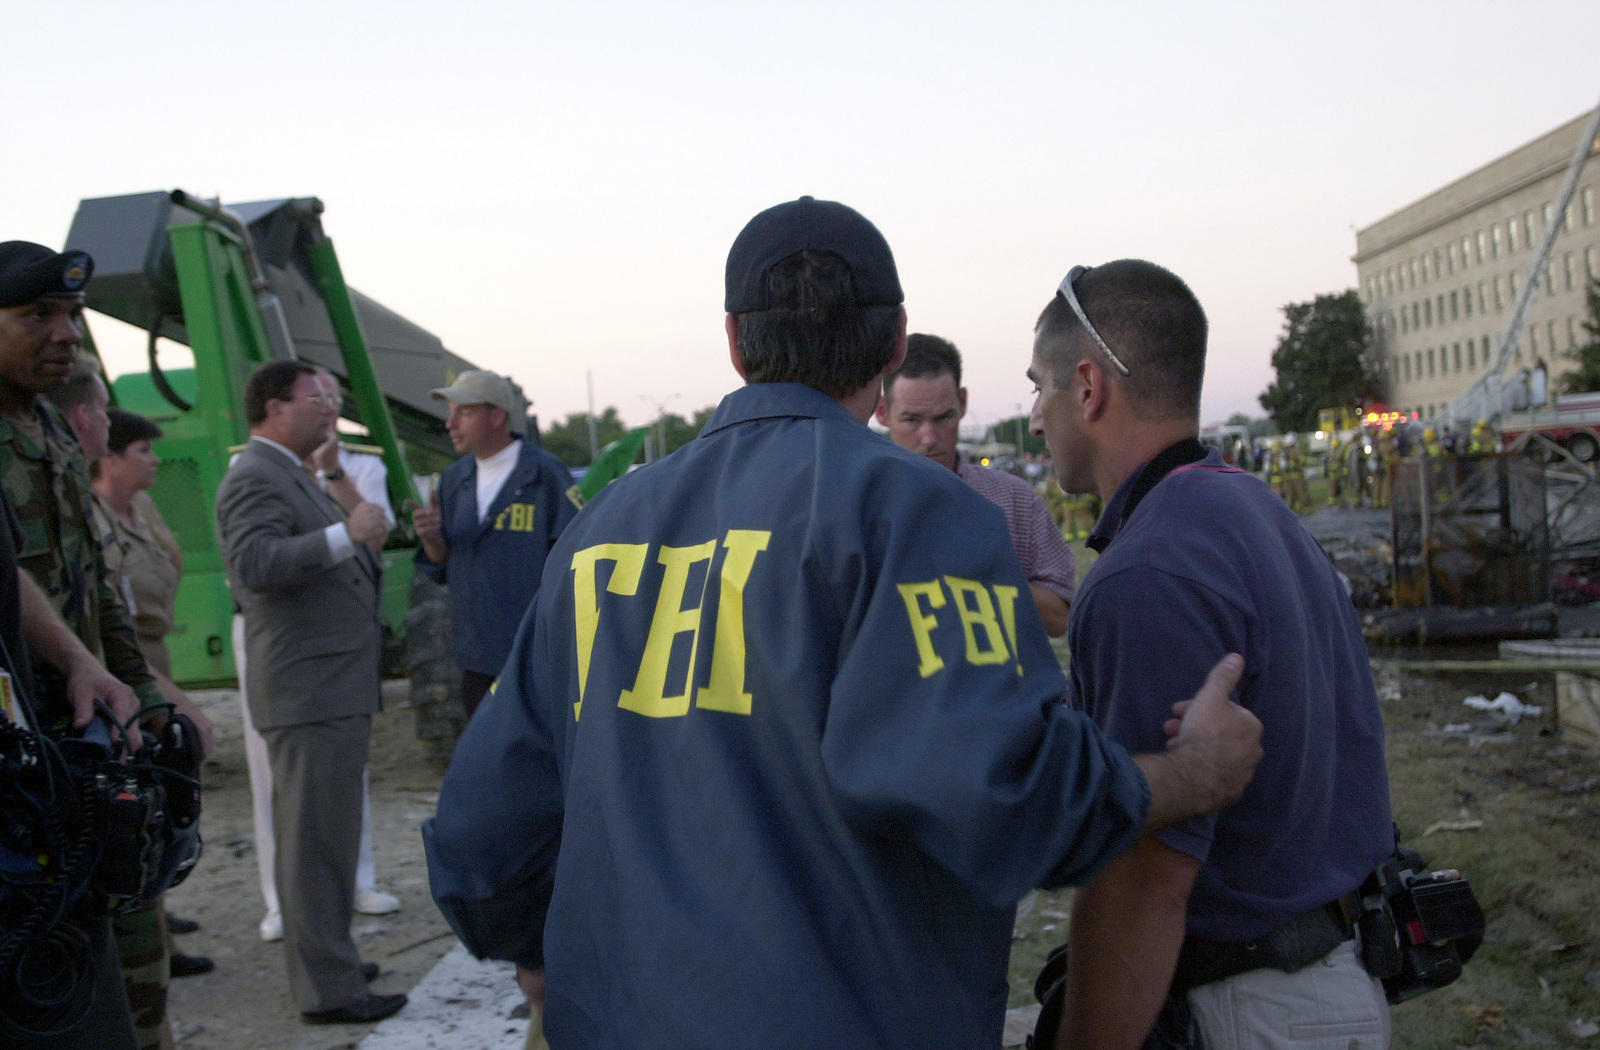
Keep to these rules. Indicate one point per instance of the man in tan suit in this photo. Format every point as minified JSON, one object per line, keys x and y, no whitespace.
{"x":307,"y":579}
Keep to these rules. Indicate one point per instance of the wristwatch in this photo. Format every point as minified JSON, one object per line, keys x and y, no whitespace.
{"x":336,"y":474}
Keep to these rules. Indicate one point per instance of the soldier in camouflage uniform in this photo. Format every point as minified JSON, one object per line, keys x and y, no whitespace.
{"x":43,"y":472}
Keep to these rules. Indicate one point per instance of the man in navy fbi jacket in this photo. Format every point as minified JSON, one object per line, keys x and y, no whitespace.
{"x":781,"y":742}
{"x":487,"y":528}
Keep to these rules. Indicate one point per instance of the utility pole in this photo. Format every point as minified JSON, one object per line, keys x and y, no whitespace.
{"x":594,"y":430}
{"x":660,"y":427}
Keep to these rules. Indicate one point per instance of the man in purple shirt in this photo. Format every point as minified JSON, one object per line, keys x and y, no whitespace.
{"x":922,"y":406}
{"x":1237,"y":925}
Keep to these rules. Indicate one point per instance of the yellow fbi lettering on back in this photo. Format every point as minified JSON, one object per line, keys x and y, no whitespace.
{"x":649,"y":696}
{"x":988,"y":625}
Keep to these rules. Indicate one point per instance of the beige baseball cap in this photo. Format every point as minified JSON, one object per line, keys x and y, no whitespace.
{"x":478,"y":387}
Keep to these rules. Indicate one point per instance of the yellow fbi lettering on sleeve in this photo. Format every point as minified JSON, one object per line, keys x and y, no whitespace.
{"x":672,"y":618}
{"x":988,"y":624}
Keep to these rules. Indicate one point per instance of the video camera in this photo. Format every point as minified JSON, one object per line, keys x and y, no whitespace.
{"x":85,"y":827}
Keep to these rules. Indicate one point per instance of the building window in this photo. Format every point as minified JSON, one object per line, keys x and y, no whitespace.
{"x":1482,"y":308}
{"x":1589,"y":265}
{"x":1548,"y":211}
{"x":1427,"y":313}
{"x":1566,"y":266}
{"x":1551,"y":329}
{"x":1412,"y":267}
{"x":1566,"y":219}
{"x":1499,"y":303}
{"x":1418,"y":368}
{"x":1486,"y":351}
{"x":1527,"y":226}
{"x":1466,"y":251}
{"x":1549,"y":285}
{"x":1430,"y":362}
{"x":1494,"y":242}
{"x":1483,"y":247}
{"x":1572,"y":332}
{"x":1466,"y":301}
{"x":1513,"y":279}
{"x":1511,"y":235}
{"x":1455,"y":305}
{"x":1533,"y":339}
{"x":1450,"y":259}
{"x":1472,"y":356}
{"x":1405,"y":366}
{"x":1455,"y":358}
{"x":1588,"y":205}
{"x":1438,"y":263}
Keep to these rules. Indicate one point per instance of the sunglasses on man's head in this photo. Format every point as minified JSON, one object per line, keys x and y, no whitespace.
{"x":1072,"y":300}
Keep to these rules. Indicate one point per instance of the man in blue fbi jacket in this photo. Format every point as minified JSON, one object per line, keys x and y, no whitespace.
{"x":1239,"y":914}
{"x":487,"y":528}
{"x":781,"y":742}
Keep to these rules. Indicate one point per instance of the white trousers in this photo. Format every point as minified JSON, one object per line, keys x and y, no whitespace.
{"x":255,"y":757}
{"x":1333,"y":1004}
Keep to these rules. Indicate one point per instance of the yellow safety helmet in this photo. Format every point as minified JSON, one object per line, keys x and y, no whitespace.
{"x":1429,"y":435}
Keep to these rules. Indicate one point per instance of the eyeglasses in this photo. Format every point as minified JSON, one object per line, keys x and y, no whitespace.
{"x":1072,"y":300}
{"x":333,"y":401}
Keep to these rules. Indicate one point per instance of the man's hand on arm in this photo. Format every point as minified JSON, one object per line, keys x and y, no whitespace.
{"x":1212,"y":752}
{"x":1053,"y":609}
{"x":1127,"y":929}
{"x":87,"y":678}
{"x":428,"y":521}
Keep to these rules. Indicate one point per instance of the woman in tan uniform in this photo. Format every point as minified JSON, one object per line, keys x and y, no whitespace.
{"x":145,"y":565}
{"x":143,"y":559}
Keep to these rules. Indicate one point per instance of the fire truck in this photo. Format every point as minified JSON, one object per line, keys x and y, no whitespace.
{"x":1570,"y":420}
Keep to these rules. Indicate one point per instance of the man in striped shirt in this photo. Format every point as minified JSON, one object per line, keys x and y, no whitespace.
{"x":922,"y":406}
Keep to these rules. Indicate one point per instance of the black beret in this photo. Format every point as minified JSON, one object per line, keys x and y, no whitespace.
{"x":126,"y":428}
{"x":786,"y":229}
{"x":31,"y":271}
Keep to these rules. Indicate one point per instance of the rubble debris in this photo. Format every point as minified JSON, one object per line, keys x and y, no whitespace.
{"x":1453,"y":825}
{"x":1489,"y":1015}
{"x":1438,"y":624}
{"x":1506,"y":706}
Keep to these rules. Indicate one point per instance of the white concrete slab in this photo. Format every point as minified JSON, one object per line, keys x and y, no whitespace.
{"x":462,"y":1004}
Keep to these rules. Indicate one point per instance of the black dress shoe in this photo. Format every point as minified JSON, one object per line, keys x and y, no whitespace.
{"x":190,"y":965}
{"x":369,"y":970}
{"x":177,"y":925}
{"x":363,"y":1011}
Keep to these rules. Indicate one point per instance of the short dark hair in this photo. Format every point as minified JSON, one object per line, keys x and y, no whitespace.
{"x":128,"y":427}
{"x":75,"y":389}
{"x":273,"y":381}
{"x":1150,"y":318}
{"x":926,"y":355}
{"x":816,"y":335}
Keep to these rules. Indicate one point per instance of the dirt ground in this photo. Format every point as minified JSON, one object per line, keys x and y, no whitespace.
{"x":245,"y":1002}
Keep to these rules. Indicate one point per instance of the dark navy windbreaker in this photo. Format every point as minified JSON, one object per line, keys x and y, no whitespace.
{"x":779,"y":748}
{"x":494,"y":565}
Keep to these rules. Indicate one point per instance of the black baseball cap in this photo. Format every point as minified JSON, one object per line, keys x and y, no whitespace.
{"x":31,"y":271}
{"x":786,"y":229}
